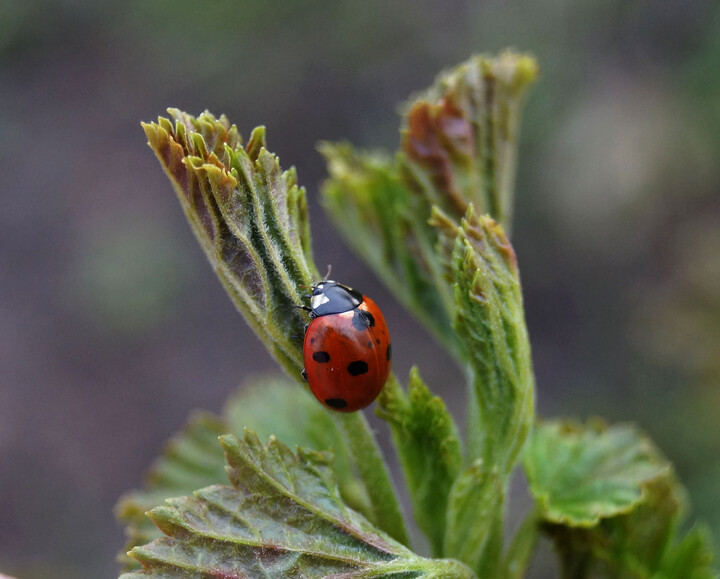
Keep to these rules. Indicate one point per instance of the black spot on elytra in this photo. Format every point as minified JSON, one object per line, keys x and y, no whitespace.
{"x":389,"y":351}
{"x":362,"y":320}
{"x":336,"y":403}
{"x":321,"y":357}
{"x":357,"y":367}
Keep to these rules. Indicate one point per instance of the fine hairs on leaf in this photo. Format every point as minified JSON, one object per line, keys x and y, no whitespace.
{"x":432,"y":220}
{"x":282,"y":516}
{"x":249,"y":217}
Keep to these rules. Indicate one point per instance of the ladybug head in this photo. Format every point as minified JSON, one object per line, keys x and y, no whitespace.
{"x":330,"y":297}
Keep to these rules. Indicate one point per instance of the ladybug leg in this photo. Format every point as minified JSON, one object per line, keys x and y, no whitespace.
{"x":306,"y":308}
{"x":306,"y":328}
{"x":304,"y":375}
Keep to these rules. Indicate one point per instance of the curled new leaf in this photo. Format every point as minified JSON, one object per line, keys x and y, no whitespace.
{"x":490,"y":322}
{"x":460,"y":136}
{"x":459,"y":141}
{"x":282,"y":516}
{"x":250,"y":218}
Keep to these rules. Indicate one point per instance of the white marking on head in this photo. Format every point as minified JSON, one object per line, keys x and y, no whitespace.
{"x":318,"y":300}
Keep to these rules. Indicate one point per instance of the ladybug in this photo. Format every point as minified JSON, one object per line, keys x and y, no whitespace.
{"x":347,"y":350}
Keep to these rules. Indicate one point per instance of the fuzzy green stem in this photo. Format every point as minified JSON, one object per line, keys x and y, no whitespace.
{"x":473,"y":422}
{"x":370,"y":464}
{"x":517,"y":557}
{"x":492,"y":557}
{"x":490,"y":561}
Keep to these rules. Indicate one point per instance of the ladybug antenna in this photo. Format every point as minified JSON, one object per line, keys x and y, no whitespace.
{"x":329,"y":270}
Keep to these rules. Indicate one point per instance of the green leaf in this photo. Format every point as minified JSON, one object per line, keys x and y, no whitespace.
{"x":275,"y":406}
{"x":691,"y":557}
{"x":646,"y":543}
{"x":193,"y":459}
{"x":250,"y":219}
{"x":638,"y":541}
{"x":612,"y":504}
{"x":426,"y":440}
{"x":283,"y":516}
{"x":490,"y":323}
{"x":459,"y":141}
{"x":579,"y":475}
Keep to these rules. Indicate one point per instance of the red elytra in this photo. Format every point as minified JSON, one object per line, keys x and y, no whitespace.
{"x":347,"y":351}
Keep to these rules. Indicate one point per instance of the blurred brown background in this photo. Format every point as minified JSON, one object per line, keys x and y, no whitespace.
{"x":113,"y":327}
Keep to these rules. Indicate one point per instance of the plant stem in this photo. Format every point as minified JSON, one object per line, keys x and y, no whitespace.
{"x":574,"y":564}
{"x":370,"y":464}
{"x":473,"y":423}
{"x":522,"y":547}
{"x":492,"y":555}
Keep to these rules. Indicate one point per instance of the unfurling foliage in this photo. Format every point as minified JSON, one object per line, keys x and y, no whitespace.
{"x":249,"y":217}
{"x":432,"y":220}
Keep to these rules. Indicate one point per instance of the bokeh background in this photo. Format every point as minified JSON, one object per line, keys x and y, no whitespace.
{"x":113,"y":327}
